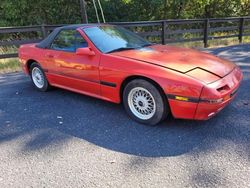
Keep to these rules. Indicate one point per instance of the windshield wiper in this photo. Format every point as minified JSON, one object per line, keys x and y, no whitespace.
{"x":121,"y":49}
{"x":145,"y":45}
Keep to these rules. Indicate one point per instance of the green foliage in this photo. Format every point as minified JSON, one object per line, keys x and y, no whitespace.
{"x":32,"y":12}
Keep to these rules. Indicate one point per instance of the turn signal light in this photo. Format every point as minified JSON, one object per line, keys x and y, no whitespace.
{"x":181,"y":98}
{"x":227,"y":97}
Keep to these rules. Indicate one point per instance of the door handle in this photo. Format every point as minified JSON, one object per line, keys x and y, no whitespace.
{"x":50,"y":56}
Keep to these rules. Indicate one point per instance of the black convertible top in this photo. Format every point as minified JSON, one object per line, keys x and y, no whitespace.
{"x":49,"y":39}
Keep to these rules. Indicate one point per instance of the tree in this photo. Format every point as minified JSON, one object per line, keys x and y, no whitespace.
{"x":32,"y":12}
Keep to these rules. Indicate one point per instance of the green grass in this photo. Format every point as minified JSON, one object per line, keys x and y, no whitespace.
{"x":213,"y":43}
{"x":9,"y":65}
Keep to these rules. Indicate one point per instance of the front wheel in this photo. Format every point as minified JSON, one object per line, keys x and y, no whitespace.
{"x":144,"y":102}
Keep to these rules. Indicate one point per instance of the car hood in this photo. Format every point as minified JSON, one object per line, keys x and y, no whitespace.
{"x":179,"y":59}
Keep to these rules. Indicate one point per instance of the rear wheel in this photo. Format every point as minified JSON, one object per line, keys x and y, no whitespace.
{"x":144,"y":102}
{"x":38,"y":77}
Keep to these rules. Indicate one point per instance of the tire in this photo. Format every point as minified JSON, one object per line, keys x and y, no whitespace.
{"x":38,"y":77}
{"x":144,"y":102}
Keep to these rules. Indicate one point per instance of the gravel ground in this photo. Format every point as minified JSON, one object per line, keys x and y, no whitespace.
{"x":63,"y":139}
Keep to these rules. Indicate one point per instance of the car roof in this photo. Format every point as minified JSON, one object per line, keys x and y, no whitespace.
{"x":76,"y":26}
{"x":48,"y":40}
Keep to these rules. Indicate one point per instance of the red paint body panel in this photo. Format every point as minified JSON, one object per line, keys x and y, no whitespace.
{"x":173,"y":69}
{"x":70,"y":67}
{"x":180,"y":59}
{"x":174,"y":83}
{"x":181,"y":109}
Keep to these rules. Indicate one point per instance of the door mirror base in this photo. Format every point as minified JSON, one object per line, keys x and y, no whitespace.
{"x":85,"y":51}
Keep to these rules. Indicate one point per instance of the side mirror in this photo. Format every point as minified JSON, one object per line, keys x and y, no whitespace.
{"x":85,"y":51}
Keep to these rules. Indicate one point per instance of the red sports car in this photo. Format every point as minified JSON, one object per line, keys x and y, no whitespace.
{"x":114,"y":64}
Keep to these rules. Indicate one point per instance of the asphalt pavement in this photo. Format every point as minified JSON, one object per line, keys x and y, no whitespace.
{"x":64,"y":139}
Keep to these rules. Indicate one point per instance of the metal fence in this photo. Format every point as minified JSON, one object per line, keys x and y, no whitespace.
{"x":162,"y":31}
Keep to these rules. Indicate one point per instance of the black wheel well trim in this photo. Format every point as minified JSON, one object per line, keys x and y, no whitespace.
{"x":30,"y":62}
{"x":130,"y":78}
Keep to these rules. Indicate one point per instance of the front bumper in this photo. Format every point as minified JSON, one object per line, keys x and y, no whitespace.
{"x":206,"y":110}
{"x":202,"y":108}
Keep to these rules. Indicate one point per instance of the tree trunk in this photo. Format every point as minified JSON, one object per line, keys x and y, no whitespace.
{"x":84,"y":15}
{"x":165,"y":9}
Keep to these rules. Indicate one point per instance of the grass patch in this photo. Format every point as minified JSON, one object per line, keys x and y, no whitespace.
{"x":9,"y":65}
{"x":216,"y":43}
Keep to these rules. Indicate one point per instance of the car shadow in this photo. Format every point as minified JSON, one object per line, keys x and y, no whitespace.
{"x":107,"y":125}
{"x":57,"y":116}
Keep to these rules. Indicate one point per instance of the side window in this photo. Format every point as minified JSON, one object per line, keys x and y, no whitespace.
{"x":65,"y":41}
{"x":68,"y":40}
{"x":80,"y":41}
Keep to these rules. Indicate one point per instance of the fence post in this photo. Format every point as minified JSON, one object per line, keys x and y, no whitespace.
{"x":206,"y":32}
{"x":44,"y":33}
{"x":163,"y":33}
{"x":241,"y":29}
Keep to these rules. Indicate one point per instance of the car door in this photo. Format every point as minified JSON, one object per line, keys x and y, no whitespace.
{"x":71,"y":71}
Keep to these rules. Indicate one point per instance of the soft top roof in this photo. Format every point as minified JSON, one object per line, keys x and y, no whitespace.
{"x":45,"y":43}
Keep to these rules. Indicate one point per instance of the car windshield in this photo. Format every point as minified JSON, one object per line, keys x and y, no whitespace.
{"x":114,"y":38}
